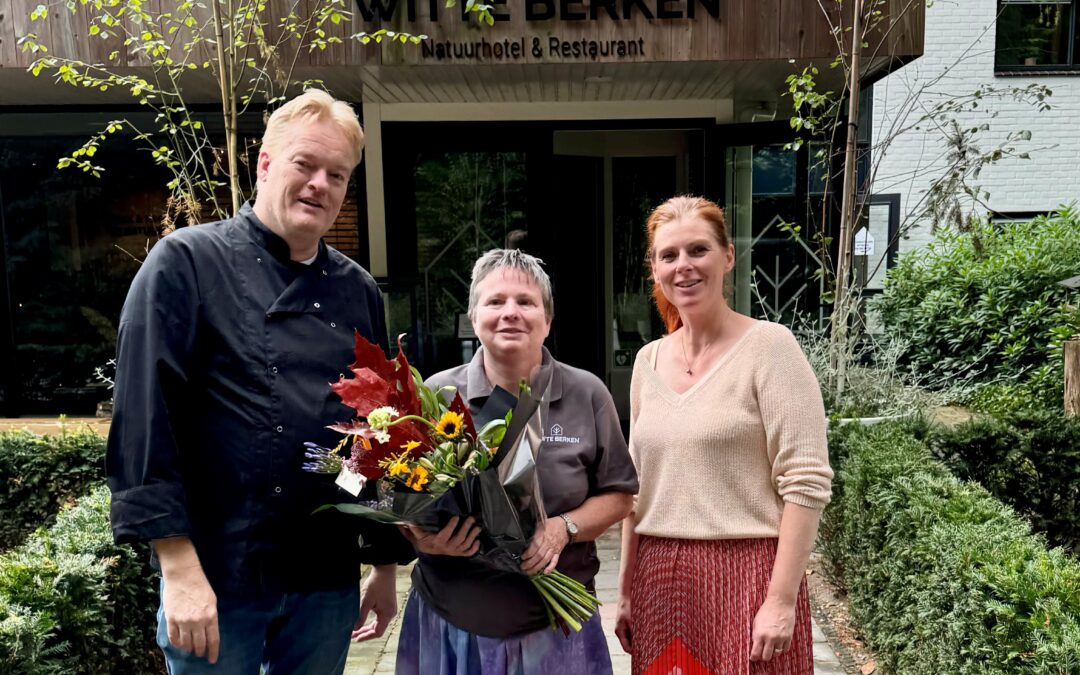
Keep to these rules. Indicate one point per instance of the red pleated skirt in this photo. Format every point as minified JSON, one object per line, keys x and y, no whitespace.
{"x":693,"y":604}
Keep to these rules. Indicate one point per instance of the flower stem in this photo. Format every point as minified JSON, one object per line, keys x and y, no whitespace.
{"x":557,"y":607}
{"x":415,"y":418}
{"x":572,"y":603}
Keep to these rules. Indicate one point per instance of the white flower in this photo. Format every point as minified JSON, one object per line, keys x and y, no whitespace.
{"x":382,"y":436}
{"x":380,"y":418}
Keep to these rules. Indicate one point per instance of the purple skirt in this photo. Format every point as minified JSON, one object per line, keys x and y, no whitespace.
{"x":428,"y":645}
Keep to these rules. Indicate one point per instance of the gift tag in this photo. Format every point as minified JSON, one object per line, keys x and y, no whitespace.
{"x":350,"y":482}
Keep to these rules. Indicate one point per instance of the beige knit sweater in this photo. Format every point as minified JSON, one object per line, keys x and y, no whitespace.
{"x":719,"y":460}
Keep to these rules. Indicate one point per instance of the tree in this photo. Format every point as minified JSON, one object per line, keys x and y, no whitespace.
{"x":830,"y":120}
{"x":250,"y":55}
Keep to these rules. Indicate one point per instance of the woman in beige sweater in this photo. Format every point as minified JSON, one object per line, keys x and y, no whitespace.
{"x":728,"y":435}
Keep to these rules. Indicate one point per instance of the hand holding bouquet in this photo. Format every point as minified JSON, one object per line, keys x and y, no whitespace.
{"x":430,"y":463}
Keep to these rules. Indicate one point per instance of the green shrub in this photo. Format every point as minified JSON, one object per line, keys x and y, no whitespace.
{"x":43,"y":473}
{"x":1002,"y":399}
{"x":72,"y":601}
{"x":984,"y":306}
{"x":1030,"y":462}
{"x":942,"y":577}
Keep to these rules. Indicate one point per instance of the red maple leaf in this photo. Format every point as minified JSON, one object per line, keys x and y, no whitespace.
{"x":378,"y":381}
{"x":458,"y":406}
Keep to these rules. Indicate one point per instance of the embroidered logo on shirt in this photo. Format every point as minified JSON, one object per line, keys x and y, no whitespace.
{"x":556,"y":436}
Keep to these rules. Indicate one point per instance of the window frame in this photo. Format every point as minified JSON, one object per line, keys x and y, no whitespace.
{"x":1073,"y":65}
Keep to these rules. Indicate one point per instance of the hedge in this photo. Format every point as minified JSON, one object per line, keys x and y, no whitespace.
{"x":43,"y":473}
{"x":942,"y":577}
{"x":1030,"y":462}
{"x":72,"y":601}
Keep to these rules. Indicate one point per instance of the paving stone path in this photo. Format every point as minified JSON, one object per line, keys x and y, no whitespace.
{"x":376,"y":657}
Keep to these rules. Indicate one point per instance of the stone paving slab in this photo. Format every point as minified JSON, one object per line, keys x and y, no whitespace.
{"x":376,"y":657}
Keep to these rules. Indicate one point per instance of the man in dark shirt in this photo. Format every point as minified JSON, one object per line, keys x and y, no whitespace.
{"x":228,"y":339}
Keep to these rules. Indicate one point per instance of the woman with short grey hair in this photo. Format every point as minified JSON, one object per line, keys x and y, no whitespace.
{"x":513,"y":260}
{"x":463,"y":618}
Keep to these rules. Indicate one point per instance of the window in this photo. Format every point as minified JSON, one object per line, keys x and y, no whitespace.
{"x":1037,"y":35}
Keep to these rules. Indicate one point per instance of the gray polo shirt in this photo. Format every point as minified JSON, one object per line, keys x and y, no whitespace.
{"x":584,"y":454}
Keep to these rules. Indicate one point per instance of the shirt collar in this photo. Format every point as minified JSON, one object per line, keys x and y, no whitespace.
{"x":478,"y":386}
{"x":267,"y":239}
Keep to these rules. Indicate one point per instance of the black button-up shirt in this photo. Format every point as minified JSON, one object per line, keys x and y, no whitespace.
{"x":225,"y":351}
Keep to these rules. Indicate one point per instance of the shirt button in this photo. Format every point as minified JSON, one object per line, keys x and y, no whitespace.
{"x":324,"y":273}
{"x":333,"y":325}
{"x":317,"y":305}
{"x":279,"y":428}
{"x":274,"y":369}
{"x":277,"y":490}
{"x":258,"y":260}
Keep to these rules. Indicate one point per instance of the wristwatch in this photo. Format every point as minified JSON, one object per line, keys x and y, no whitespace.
{"x":571,"y":527}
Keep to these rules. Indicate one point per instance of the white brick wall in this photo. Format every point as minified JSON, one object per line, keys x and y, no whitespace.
{"x":960,"y":45}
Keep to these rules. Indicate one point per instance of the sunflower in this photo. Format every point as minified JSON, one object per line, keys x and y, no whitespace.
{"x":418,"y":478}
{"x":449,"y":425}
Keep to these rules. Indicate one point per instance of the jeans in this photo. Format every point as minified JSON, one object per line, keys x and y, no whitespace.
{"x":285,"y":634}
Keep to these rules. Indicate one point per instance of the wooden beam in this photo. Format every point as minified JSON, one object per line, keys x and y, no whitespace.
{"x":376,"y":194}
{"x":1072,"y":377}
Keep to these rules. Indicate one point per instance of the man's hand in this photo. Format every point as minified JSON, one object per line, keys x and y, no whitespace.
{"x":545,"y":547}
{"x":379,"y":595}
{"x":446,"y":541}
{"x":189,"y":602}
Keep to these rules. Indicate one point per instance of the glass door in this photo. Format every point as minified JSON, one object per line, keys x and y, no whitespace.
{"x":640,"y":169}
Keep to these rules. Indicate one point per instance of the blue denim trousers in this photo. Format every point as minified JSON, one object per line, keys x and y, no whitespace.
{"x":285,"y":634}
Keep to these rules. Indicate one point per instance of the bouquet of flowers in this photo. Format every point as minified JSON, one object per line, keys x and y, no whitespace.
{"x":430,"y":462}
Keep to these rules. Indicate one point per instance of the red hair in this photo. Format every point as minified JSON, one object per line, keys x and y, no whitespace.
{"x":674,"y":209}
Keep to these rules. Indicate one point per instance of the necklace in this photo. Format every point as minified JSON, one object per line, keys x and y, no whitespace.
{"x":689,"y":363}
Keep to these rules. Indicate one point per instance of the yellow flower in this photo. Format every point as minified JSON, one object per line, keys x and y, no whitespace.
{"x":418,"y":478}
{"x":410,"y":446}
{"x":398,"y":468}
{"x":450,"y":424}
{"x":396,"y":465}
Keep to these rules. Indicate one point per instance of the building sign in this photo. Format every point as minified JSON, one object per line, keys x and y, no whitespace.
{"x":546,"y":10}
{"x":864,"y":242}
{"x":548,"y":31}
{"x":551,"y":48}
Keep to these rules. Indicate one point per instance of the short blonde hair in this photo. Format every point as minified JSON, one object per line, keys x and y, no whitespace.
{"x":311,"y":106}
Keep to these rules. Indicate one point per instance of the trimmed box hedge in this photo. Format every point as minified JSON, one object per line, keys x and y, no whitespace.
{"x":1030,"y":462}
{"x":72,"y":601}
{"x":942,"y":577}
{"x":42,"y":474}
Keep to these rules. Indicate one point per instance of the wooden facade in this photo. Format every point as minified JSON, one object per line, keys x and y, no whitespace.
{"x":652,"y":50}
